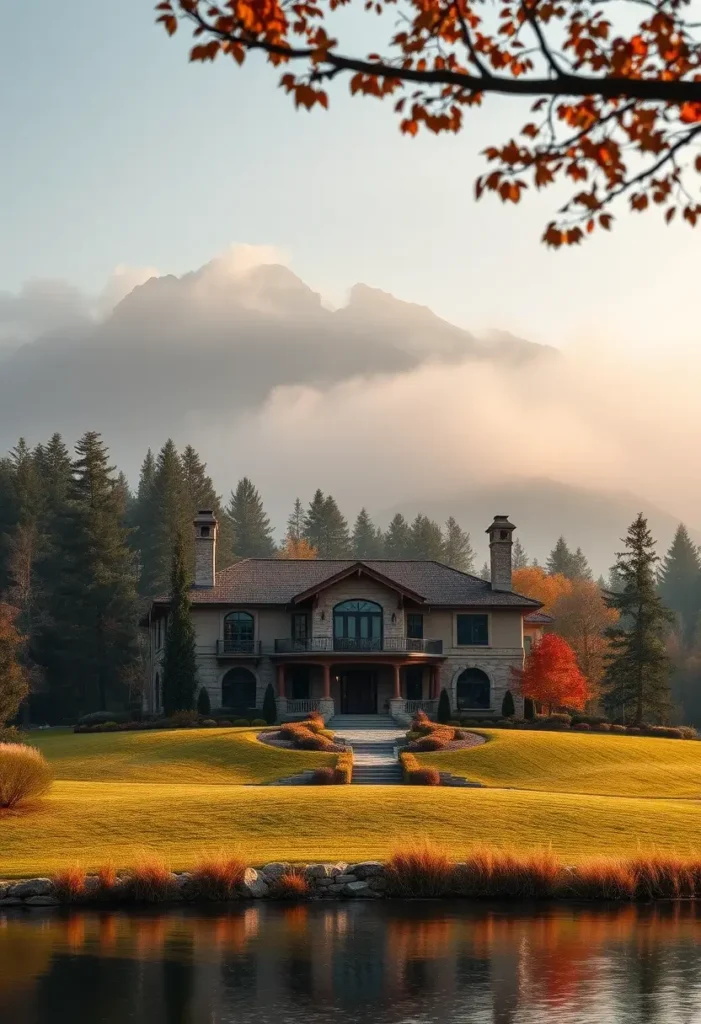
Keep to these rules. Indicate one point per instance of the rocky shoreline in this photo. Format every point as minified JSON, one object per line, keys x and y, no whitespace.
{"x":339,"y":880}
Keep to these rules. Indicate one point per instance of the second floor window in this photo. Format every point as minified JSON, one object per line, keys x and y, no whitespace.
{"x":300,"y":627}
{"x":238,"y":632}
{"x":357,"y":626}
{"x":473,"y":630}
{"x":415,"y":626}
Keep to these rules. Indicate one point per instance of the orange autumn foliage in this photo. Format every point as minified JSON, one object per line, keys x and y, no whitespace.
{"x":297,"y":547}
{"x":552,"y":676}
{"x":616,"y":86}
{"x":536,"y":583}
{"x":582,"y":618}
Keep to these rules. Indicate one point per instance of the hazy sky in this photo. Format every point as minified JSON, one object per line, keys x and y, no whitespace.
{"x":117,"y":151}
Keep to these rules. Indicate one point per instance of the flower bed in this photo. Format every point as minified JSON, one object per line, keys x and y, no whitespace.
{"x":426,"y":736}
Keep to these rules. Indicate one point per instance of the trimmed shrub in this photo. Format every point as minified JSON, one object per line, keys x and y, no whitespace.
{"x":454,"y":721}
{"x":218,"y":877}
{"x":204,"y":706}
{"x":344,"y":768}
{"x":292,"y":885}
{"x":618,"y":729}
{"x":224,"y":722}
{"x":582,"y":727}
{"x":324,"y":777}
{"x":425,"y":777}
{"x":633,"y":730}
{"x":69,"y":884}
{"x":208,"y":723}
{"x":688,"y":732}
{"x":427,"y":744}
{"x":602,"y":727}
{"x":185,"y":719}
{"x":24,"y":774}
{"x":312,"y":742}
{"x":258,"y":722}
{"x":240,"y":721}
{"x":444,"y":712}
{"x":423,"y":871}
{"x":150,"y":881}
{"x":100,"y":717}
{"x":269,"y":705}
{"x":508,"y":708}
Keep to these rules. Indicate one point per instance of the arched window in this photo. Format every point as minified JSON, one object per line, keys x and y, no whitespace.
{"x":357,"y":626}
{"x":473,"y":690}
{"x":238,"y":690}
{"x":238,"y":632}
{"x":157,"y":693}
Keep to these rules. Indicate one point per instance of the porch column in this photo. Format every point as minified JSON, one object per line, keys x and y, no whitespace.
{"x":397,"y":683}
{"x":281,"y":680}
{"x":436,"y":682}
{"x":326,"y":675}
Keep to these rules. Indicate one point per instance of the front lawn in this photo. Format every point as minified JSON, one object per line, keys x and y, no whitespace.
{"x":95,"y":822}
{"x":571,"y":762}
{"x":233,"y":756}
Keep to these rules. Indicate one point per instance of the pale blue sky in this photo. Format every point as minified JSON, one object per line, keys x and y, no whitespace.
{"x":117,"y":151}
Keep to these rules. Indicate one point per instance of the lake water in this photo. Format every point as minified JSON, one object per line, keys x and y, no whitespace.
{"x":381,"y":963}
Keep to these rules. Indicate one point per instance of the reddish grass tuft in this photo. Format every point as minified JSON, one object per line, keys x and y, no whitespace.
{"x":424,"y":870}
{"x":601,"y":878}
{"x":69,"y":884}
{"x":662,"y":877}
{"x":292,"y":885}
{"x":503,"y":873}
{"x":107,"y":878}
{"x":150,"y":881}
{"x":218,"y":877}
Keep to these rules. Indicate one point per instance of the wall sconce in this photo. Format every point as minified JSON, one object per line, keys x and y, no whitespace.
{"x":394,"y":617}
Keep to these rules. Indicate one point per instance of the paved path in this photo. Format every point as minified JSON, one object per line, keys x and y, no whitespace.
{"x":373,"y":739}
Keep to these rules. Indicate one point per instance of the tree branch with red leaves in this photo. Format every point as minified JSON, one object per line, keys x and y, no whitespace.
{"x":618,"y":113}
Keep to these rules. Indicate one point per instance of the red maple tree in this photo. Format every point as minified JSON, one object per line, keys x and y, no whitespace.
{"x":551,"y":675}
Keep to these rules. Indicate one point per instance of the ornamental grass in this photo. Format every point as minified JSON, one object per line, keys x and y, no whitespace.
{"x":24,"y":774}
{"x":150,"y":881}
{"x":291,"y":885}
{"x":218,"y":877}
{"x":422,"y":870}
{"x":69,"y":884}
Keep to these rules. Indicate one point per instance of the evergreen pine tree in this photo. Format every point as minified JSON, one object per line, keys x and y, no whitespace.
{"x":335,"y":540}
{"x":143,"y":520}
{"x":200,"y":494}
{"x":580,"y":566}
{"x":251,"y":533}
{"x":204,"y":705}
{"x":398,"y":538}
{"x":508,"y":709}
{"x":485,"y":573}
{"x":173,"y":516}
{"x":426,"y":539}
{"x":636,"y":680}
{"x":89,"y":642}
{"x":295,"y":522}
{"x":457,"y":550}
{"x":680,"y":583}
{"x":365,"y":540}
{"x":519,"y":558}
{"x":314,"y":522}
{"x":561,"y":561}
{"x":179,"y":664}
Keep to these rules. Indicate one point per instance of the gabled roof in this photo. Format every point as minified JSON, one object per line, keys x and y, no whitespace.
{"x":359,"y":568}
{"x":282,"y":581}
{"x":539,"y":618}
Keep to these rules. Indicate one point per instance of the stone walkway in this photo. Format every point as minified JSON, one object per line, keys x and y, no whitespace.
{"x":373,"y":739}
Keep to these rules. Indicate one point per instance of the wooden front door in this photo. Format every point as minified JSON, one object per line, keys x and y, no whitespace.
{"x":359,"y":693}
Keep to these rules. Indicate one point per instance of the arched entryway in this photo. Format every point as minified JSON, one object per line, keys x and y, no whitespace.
{"x":473,"y":690}
{"x":238,"y":690}
{"x":357,"y":626}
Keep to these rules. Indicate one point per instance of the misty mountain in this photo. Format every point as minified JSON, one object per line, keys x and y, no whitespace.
{"x":543,"y":509}
{"x":181,"y":348}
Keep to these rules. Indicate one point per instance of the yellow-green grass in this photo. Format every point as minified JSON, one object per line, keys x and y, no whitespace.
{"x":96,"y":822}
{"x":233,"y":756}
{"x":588,"y":763}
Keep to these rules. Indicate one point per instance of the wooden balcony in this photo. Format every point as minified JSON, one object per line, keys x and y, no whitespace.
{"x":359,"y":645}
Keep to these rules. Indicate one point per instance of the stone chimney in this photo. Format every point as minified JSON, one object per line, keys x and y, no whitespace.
{"x":500,"y":552}
{"x":205,"y":548}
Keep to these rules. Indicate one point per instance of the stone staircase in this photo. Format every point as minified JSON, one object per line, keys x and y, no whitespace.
{"x":373,"y":739}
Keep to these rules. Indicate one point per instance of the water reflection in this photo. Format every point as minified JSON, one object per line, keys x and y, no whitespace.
{"x":414,"y":963}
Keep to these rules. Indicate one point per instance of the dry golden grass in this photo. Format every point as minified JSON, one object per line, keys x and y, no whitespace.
{"x":24,"y":774}
{"x":291,"y":885}
{"x":69,"y":883}
{"x":420,"y":869}
{"x":217,"y":876}
{"x":150,"y":880}
{"x":586,"y":763}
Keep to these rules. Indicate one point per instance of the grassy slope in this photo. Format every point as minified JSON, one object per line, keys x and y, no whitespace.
{"x":94,"y":822}
{"x":579,"y":763}
{"x":181,"y":756}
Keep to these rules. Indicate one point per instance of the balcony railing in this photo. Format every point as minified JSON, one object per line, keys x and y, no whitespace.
{"x":301,"y":707}
{"x":358,"y":645}
{"x":412,"y":706}
{"x":239,"y":648}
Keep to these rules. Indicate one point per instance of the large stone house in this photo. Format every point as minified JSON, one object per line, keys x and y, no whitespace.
{"x":367,"y":636}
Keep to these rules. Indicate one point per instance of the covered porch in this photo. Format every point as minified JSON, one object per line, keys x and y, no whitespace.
{"x":360,"y":687}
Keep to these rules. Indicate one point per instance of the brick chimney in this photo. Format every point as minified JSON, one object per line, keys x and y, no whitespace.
{"x":205,"y":525}
{"x":500,"y":542}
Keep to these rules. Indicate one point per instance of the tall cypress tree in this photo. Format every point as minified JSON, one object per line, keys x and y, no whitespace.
{"x":457,"y":549}
{"x":179,"y":661}
{"x":90,"y":642}
{"x":173,"y":515}
{"x":426,"y":539}
{"x":143,"y":521}
{"x":366,"y":540}
{"x":295,"y":522}
{"x":680,"y":583}
{"x":398,"y":538}
{"x":637,"y":671}
{"x":200,"y":494}
{"x":251,"y":533}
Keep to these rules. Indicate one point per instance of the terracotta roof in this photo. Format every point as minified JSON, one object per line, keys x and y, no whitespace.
{"x":278,"y":581}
